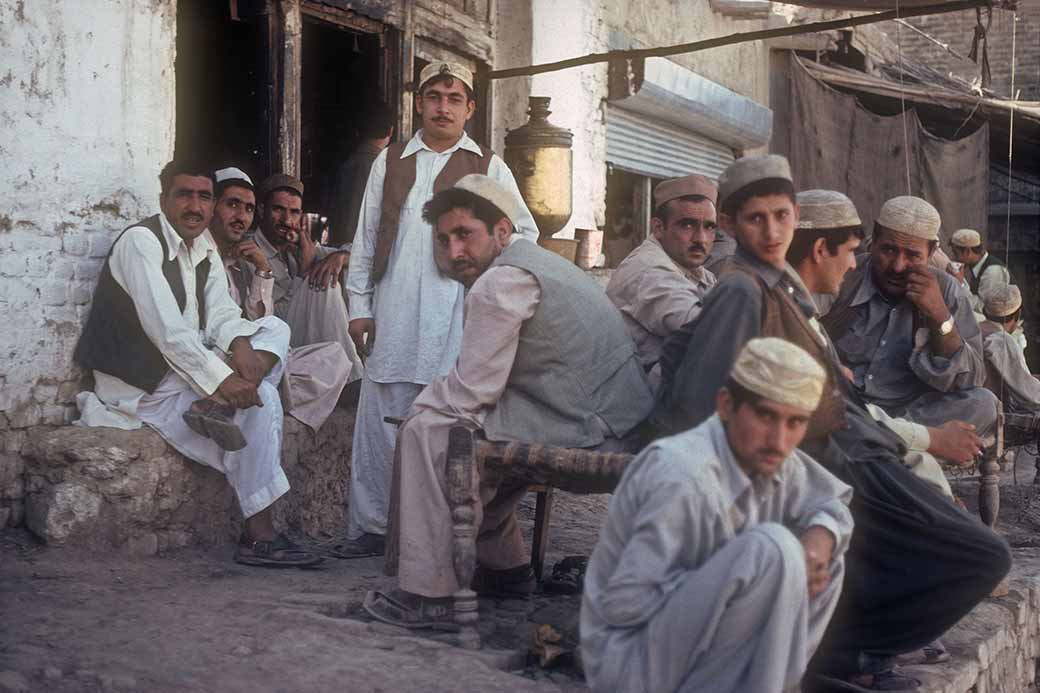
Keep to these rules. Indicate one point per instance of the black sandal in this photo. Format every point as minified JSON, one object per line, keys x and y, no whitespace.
{"x":280,"y":552}
{"x":512,"y":583}
{"x":568,"y":576}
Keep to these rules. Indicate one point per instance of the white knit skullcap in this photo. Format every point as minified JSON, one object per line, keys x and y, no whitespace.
{"x":826,"y":209}
{"x":1002,"y":301}
{"x":492,"y":191}
{"x":455,"y":70}
{"x":966,"y":238}
{"x":911,"y":216}
{"x":781,"y":372}
{"x":232,"y":173}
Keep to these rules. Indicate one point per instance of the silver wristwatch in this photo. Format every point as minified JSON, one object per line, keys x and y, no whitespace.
{"x":268,"y":274}
{"x":947,"y":327}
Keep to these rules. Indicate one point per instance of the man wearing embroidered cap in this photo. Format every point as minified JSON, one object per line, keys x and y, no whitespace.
{"x":660,"y":285}
{"x":406,"y":314}
{"x":1008,"y":374}
{"x":905,"y":329}
{"x":761,"y":295}
{"x":544,"y":357}
{"x":721,"y":560}
{"x":315,"y":374}
{"x":980,"y":271}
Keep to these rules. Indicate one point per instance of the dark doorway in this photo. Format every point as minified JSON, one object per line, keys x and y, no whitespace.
{"x":340,"y":78}
{"x":223,"y":92}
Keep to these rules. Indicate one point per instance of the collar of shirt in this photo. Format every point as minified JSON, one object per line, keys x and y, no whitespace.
{"x":735,"y":483}
{"x":416,"y":143}
{"x":773,"y":276}
{"x":978,"y":265}
{"x":697,"y":275}
{"x":265,"y":245}
{"x":867,"y":289}
{"x":202,"y":247}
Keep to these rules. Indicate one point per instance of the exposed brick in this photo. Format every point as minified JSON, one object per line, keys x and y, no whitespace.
{"x":89,"y":269}
{"x":12,"y":396}
{"x":53,"y":415}
{"x":61,"y":269}
{"x":45,"y":393}
{"x":13,"y":265}
{"x":81,"y":292}
{"x":67,"y":391}
{"x":100,"y":244}
{"x":52,"y":293}
{"x":25,"y":415}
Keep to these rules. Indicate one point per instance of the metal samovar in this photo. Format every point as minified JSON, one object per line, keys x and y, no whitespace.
{"x":539,"y":154}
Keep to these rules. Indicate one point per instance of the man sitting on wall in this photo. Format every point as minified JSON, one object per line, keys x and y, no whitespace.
{"x":315,"y":374}
{"x":660,"y":285}
{"x":168,"y":347}
{"x":316,"y":310}
{"x":544,"y":358}
{"x":906,"y":330}
{"x":721,"y":560}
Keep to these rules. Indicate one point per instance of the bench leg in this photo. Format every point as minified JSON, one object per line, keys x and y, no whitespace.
{"x":460,"y":470}
{"x":542,"y":511}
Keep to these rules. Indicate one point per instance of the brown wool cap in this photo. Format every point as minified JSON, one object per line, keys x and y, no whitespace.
{"x":280,"y":180}
{"x":674,"y":188}
{"x":826,"y":209}
{"x":751,"y":169}
{"x":781,"y":372}
{"x":911,"y":216}
{"x":966,"y":238}
{"x":445,"y":68}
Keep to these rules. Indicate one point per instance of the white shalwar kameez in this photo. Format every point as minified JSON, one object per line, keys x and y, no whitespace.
{"x":698,"y":581}
{"x":418,"y":317}
{"x":196,"y":363}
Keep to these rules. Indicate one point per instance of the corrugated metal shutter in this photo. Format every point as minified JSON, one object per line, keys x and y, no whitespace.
{"x":650,"y":147}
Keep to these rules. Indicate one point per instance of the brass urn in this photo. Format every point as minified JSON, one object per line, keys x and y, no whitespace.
{"x":539,"y":154}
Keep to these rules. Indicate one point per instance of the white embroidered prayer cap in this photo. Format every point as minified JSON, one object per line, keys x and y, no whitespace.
{"x":232,"y":173}
{"x":1002,"y":301}
{"x":445,"y":68}
{"x":781,"y":372}
{"x":751,"y":169}
{"x":492,"y":191}
{"x":826,"y":209}
{"x":966,"y":238}
{"x":911,"y":216}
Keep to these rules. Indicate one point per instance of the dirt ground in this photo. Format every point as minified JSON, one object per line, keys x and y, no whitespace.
{"x":194,"y":620}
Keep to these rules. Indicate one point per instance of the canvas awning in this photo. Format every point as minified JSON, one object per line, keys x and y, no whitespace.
{"x":878,"y":5}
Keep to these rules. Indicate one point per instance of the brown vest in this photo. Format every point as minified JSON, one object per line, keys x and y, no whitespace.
{"x":400,"y":177}
{"x":783,"y":318}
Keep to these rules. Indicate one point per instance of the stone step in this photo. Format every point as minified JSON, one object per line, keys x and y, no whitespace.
{"x":106,"y":488}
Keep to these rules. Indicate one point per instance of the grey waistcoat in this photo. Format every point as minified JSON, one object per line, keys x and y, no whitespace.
{"x":575,"y":361}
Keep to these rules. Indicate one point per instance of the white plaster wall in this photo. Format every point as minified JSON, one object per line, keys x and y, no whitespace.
{"x":86,"y":111}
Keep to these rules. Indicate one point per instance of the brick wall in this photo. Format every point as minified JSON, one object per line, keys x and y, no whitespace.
{"x":87,"y":108}
{"x":957,"y":29}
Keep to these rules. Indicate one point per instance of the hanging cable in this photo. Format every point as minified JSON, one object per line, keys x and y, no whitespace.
{"x":902,"y":99}
{"x":1011,"y":152}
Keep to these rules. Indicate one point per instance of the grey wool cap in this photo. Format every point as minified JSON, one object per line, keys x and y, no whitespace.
{"x":911,"y":216}
{"x":826,"y":209}
{"x":751,"y":169}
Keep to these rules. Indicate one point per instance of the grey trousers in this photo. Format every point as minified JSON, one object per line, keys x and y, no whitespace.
{"x":977,"y":406}
{"x":741,"y":622}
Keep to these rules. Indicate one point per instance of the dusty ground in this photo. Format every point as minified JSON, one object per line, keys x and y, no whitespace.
{"x":196,"y":621}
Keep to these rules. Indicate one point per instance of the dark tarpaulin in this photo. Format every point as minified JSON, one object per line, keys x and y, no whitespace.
{"x":864,"y":5}
{"x":836,"y":144}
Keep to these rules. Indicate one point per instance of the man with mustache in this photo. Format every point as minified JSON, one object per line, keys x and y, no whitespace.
{"x":917,"y":563}
{"x":1005,"y":362}
{"x":907,"y":332}
{"x":168,"y":347}
{"x":314,"y":313}
{"x":660,"y":285}
{"x":406,"y":313}
{"x":315,"y":374}
{"x":544,"y":358}
{"x":721,"y":560}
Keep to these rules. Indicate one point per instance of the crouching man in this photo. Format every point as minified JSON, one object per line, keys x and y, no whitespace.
{"x":544,"y":358}
{"x":168,"y":347}
{"x":721,"y":560}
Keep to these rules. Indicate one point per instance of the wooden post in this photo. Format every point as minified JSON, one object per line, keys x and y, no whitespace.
{"x":289,"y":105}
{"x":459,"y":475}
{"x":407,"y":70}
{"x":989,"y":472}
{"x":540,"y":541}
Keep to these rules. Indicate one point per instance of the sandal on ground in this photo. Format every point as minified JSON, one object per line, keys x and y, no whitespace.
{"x":363,"y":547}
{"x":280,"y":552}
{"x":430,"y":613}
{"x":568,"y":576}
{"x":512,"y":583}
{"x":890,"y":680}
{"x":934,"y":653}
{"x":216,"y":422}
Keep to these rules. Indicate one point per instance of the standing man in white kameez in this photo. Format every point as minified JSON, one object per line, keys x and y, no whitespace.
{"x":406,"y":314}
{"x":721,"y":561}
{"x":164,"y":338}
